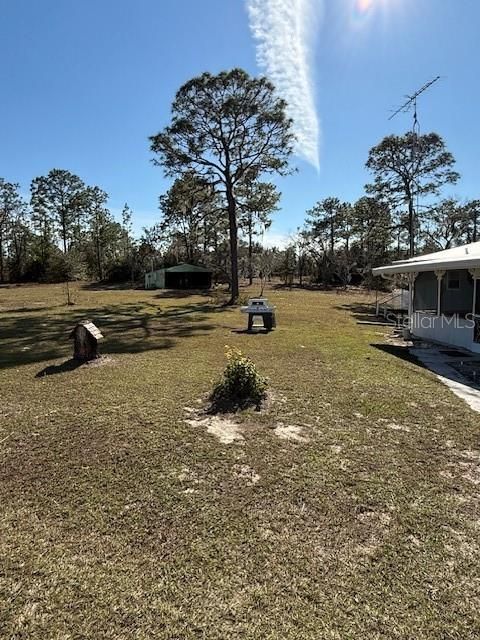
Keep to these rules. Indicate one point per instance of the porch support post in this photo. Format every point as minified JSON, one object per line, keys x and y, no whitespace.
{"x":440,"y":274}
{"x":411,"y":282}
{"x":475,"y":273}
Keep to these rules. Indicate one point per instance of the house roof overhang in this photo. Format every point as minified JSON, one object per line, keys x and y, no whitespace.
{"x":464,"y":257}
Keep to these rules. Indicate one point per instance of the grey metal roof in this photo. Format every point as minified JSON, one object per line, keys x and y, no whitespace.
{"x":187,"y":268}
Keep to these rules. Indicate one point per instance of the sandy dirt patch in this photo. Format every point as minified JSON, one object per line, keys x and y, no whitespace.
{"x":398,"y":427}
{"x":225,"y":429}
{"x":290,"y":432}
{"x":379,"y":517}
{"x":99,"y":362}
{"x":470,"y":472}
{"x":246,"y":473}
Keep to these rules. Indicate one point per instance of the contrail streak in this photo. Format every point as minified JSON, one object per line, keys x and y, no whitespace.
{"x":284,"y":31}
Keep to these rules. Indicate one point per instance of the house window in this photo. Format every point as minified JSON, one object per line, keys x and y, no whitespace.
{"x":453,"y":280}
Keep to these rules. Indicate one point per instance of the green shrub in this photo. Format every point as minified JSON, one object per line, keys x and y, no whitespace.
{"x":241,"y":385}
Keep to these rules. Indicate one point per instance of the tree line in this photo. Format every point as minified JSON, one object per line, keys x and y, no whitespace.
{"x":64,"y":231}
{"x":228,"y":133}
{"x":401,"y":214}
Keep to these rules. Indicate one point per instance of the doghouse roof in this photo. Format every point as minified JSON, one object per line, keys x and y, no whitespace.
{"x":91,"y":328}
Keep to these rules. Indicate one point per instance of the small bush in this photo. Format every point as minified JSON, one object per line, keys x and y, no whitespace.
{"x":241,"y":386}
{"x":242,"y":299}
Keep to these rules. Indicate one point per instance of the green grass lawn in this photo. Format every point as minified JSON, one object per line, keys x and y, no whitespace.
{"x":120,"y":520}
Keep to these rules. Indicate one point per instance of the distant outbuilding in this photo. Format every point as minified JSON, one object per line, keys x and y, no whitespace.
{"x":85,"y":341}
{"x":182,"y":276}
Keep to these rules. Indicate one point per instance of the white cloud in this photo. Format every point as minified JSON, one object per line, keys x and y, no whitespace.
{"x":272,"y":239}
{"x":285,"y":32}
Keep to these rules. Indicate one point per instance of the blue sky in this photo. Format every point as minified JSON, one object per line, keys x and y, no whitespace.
{"x":85,"y":83}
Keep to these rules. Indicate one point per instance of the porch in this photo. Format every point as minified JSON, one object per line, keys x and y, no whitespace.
{"x":448,"y":330}
{"x":443,"y":295}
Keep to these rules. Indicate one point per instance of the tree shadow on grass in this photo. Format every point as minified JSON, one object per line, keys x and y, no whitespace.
{"x":217,"y":298}
{"x":365,"y":314}
{"x":195,"y":307}
{"x":128,"y":328}
{"x":111,"y":286}
{"x":308,"y":286}
{"x":181,"y":293}
{"x":41,"y":309}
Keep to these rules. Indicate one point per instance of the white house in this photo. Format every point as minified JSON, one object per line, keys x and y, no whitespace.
{"x":443,"y":304}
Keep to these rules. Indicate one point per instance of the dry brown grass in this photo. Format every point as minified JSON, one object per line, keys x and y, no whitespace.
{"x":120,"y":520}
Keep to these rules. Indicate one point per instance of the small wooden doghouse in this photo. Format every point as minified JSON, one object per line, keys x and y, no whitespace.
{"x":85,"y":341}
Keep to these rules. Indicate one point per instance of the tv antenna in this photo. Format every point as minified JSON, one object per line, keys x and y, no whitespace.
{"x":411,"y":103}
